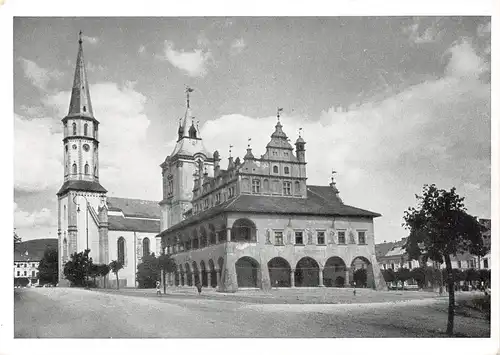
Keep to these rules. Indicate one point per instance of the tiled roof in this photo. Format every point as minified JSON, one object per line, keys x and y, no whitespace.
{"x":321,"y":200}
{"x":81,"y":185}
{"x":119,"y":223}
{"x":35,"y":249}
{"x":382,"y":249}
{"x":134,"y":207}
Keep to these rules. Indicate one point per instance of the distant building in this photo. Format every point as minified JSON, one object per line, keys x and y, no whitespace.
{"x":393,"y":256}
{"x":27,"y":257}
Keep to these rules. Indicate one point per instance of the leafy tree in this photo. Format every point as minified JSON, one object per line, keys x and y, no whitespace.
{"x":485,"y":277}
{"x":116,"y":266}
{"x":440,"y":227}
{"x":103,"y":271}
{"x":419,"y":275}
{"x":48,"y":269}
{"x":94,"y":272}
{"x":147,"y":271}
{"x":17,"y":239}
{"x":389,"y":275}
{"x":471,"y":275}
{"x":166,"y":264}
{"x":360,"y":277}
{"x":76,"y":269}
{"x":402,"y":275}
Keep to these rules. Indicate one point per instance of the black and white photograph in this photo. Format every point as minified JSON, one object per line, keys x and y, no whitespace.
{"x":220,"y":177}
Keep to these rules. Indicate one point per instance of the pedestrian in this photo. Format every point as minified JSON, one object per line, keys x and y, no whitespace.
{"x":158,"y":291}
{"x":198,"y":287}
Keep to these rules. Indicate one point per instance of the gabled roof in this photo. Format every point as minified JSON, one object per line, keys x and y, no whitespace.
{"x":320,"y":201}
{"x":119,"y":223}
{"x":134,"y":207}
{"x":81,"y":185}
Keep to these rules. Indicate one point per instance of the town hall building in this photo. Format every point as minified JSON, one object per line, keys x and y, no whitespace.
{"x":255,"y":224}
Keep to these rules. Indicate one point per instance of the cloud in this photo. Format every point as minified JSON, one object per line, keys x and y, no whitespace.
{"x":38,"y":76}
{"x":464,"y":61}
{"x":484,"y":29}
{"x":193,"y":63}
{"x":37,"y":155}
{"x":94,"y":68}
{"x":42,"y":218}
{"x":91,"y":40}
{"x":429,"y":35}
{"x":238,"y":46}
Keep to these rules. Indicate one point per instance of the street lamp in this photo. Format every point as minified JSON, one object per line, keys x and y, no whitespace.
{"x":86,"y":223}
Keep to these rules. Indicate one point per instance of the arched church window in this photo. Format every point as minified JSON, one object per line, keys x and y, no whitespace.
{"x":121,"y":250}
{"x":297,"y":187}
{"x":275,"y":169}
{"x":266,"y":185}
{"x":75,"y":169}
{"x":65,"y":215}
{"x":145,"y":246}
{"x":86,"y":169}
{"x":74,"y":128}
{"x":287,"y":170}
{"x":85,"y":129}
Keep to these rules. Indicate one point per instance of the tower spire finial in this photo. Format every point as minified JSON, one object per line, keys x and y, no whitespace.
{"x":249,"y":140}
{"x":188,"y":90}
{"x":280,"y":109}
{"x":300,"y":132}
{"x":80,"y":37}
{"x":333,"y":176}
{"x":230,"y":146}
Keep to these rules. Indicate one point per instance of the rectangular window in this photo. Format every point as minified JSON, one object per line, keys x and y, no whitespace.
{"x":256,"y":186}
{"x":392,"y":266}
{"x":33,"y":265}
{"x":287,"y":188}
{"x":299,"y":238}
{"x":278,"y":238}
{"x":361,"y":237}
{"x":321,"y":238}
{"x":19,"y":273}
{"x":485,"y":263}
{"x":33,"y":273}
{"x":459,"y":263}
{"x":341,"y":237}
{"x":25,"y":273}
{"x":409,"y":265}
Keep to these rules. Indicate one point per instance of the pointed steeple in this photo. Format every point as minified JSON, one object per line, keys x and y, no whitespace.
{"x":80,"y":104}
{"x":188,"y":119}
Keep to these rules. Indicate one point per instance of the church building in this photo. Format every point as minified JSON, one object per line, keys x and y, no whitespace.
{"x":258,"y":224}
{"x":112,"y":228}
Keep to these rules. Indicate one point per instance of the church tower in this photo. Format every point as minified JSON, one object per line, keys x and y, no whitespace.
{"x":180,"y":167}
{"x":81,"y":193}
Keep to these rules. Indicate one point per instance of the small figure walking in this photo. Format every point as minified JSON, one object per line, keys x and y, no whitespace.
{"x":354,"y":292}
{"x":158,"y":291}
{"x":198,"y":287}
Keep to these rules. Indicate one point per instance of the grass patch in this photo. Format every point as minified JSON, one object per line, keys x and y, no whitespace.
{"x":477,"y":305}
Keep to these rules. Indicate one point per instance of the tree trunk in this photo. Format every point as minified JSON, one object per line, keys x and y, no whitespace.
{"x":163,"y":280}
{"x":117,"y":282}
{"x":451,"y":296}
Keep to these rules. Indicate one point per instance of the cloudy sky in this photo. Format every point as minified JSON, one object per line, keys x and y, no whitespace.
{"x":391,"y":103}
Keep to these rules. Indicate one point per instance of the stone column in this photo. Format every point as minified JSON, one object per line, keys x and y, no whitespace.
{"x":346,"y":283}
{"x":193,"y":279}
{"x":292,"y":278}
{"x":216,"y":237}
{"x":180,"y":277}
{"x":200,"y":277}
{"x":217,"y":273}
{"x":320,"y":277}
{"x":228,"y":234}
{"x":209,"y":279}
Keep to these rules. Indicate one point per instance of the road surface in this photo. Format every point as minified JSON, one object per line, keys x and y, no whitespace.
{"x":78,"y":313}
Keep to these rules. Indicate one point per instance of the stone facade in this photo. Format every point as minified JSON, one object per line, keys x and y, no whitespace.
{"x":258,"y":224}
